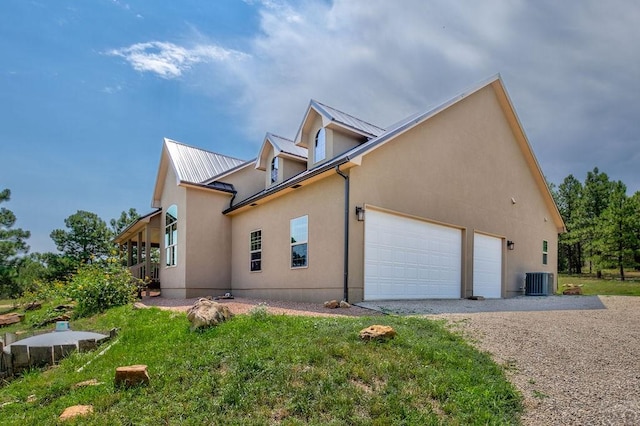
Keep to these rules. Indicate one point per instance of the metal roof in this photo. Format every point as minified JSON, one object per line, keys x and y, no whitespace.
{"x":197,"y":165}
{"x":347,"y":119}
{"x":287,"y":146}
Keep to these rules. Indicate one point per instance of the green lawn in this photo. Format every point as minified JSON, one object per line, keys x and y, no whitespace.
{"x":261,"y":369}
{"x":610,"y":285}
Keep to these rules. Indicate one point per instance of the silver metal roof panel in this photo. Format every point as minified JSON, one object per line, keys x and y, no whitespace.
{"x":197,"y":165}
{"x":287,"y":146}
{"x":349,"y":120}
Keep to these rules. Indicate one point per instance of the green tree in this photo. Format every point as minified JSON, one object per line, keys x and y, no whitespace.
{"x":126,"y":218}
{"x":618,"y":225}
{"x":635,"y":202}
{"x":87,"y":238}
{"x":12,"y":244}
{"x":595,"y":198}
{"x":31,"y":269}
{"x":567,"y":198}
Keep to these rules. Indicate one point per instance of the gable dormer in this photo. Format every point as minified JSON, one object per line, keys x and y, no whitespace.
{"x":327,"y":132}
{"x":281,"y":159}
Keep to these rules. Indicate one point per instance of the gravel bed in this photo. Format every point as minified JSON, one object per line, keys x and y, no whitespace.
{"x":574,"y":367}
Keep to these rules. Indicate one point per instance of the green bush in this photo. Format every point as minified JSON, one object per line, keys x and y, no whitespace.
{"x":98,"y":287}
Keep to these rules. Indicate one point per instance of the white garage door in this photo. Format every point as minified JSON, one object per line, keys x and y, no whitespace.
{"x":410,"y":259}
{"x":487,"y":266}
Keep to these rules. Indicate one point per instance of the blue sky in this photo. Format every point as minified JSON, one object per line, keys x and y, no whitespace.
{"x":88,"y":89}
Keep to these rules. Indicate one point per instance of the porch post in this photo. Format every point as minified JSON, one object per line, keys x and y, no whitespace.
{"x":139,"y":254}
{"x":129,"y":252}
{"x":147,"y":252}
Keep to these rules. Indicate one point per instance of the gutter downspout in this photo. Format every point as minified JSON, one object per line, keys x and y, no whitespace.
{"x":233,"y":198}
{"x":346,"y":233}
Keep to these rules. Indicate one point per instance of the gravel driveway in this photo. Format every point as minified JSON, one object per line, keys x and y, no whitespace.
{"x":575,"y":359}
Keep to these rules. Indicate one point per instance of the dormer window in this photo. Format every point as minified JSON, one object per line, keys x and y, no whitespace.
{"x":274,"y":170}
{"x":319,"y":152}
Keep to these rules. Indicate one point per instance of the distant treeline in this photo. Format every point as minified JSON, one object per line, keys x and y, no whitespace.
{"x":603,"y":225}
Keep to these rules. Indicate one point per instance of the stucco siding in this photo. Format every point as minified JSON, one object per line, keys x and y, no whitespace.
{"x":172,"y":278}
{"x":291,"y":168}
{"x":341,"y":143}
{"x":246,"y":181}
{"x":208,"y":243}
{"x":321,"y":280}
{"x":462,"y":167}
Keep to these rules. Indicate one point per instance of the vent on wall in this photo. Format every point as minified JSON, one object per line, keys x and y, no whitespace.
{"x":538,"y":283}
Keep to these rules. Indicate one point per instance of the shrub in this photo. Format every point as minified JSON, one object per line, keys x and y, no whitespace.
{"x":97,"y":287}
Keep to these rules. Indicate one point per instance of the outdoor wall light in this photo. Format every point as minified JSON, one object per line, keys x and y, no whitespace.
{"x":510,"y":245}
{"x":360,"y":213}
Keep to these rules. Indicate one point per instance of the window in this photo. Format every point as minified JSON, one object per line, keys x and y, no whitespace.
{"x":171,"y":235}
{"x":320,"y":148}
{"x":274,"y":170}
{"x":255,"y":248}
{"x":545,"y":253}
{"x":299,"y":237}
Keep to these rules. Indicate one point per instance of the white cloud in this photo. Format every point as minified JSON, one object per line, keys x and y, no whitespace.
{"x":110,"y":90}
{"x":169,"y":60}
{"x":570,"y":68}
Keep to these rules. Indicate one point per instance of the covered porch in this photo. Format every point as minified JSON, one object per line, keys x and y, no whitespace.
{"x":140,"y":245}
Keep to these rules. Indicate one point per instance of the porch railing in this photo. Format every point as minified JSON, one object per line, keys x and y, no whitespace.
{"x":140,"y":271}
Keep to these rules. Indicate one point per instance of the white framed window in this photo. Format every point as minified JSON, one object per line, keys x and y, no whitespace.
{"x":545,"y":252}
{"x":171,"y":235}
{"x":299,"y":242}
{"x":320,"y":148}
{"x":274,"y":170}
{"x":255,"y":250}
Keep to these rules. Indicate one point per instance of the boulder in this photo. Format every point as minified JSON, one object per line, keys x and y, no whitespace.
{"x":207,"y":313}
{"x":377,"y":332}
{"x":8,"y":319}
{"x":572,"y":290}
{"x":131,"y":375}
{"x":75,"y":411}
{"x":332,"y":304}
{"x":140,"y":305}
{"x":33,"y":306}
{"x":344,"y":304}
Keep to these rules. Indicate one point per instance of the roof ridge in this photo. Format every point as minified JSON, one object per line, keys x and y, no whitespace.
{"x":346,"y":113}
{"x":278,"y":136}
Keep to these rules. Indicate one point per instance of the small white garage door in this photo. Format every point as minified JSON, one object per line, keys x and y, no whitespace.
{"x":487,"y":266}
{"x":406,"y":258}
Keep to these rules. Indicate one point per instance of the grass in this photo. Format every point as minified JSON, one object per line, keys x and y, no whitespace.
{"x":609,"y":285}
{"x":261,"y":369}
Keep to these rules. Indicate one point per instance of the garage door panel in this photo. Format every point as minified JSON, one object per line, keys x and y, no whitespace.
{"x":410,"y":259}
{"x":487,"y":266}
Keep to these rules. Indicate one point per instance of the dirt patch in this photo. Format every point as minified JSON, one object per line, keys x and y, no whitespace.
{"x":243,"y":306}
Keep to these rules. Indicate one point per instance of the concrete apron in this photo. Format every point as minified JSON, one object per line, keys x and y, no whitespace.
{"x":462,"y":306}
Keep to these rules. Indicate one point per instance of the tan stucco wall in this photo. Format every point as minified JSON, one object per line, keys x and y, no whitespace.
{"x":172,"y":278}
{"x":323,"y":202}
{"x":462,"y":167}
{"x":246,"y":181}
{"x":309,"y":137}
{"x":208,"y":243}
{"x":342,"y":143}
{"x":290,"y":167}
